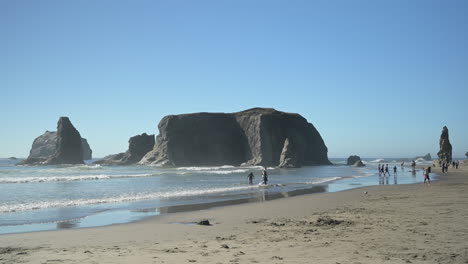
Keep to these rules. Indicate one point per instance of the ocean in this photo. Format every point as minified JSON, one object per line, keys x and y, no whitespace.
{"x":38,"y":198}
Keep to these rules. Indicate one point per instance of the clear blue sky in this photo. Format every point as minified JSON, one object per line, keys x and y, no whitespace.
{"x":376,"y":78}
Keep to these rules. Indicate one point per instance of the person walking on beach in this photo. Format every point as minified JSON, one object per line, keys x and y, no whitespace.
{"x":457,"y":164}
{"x":250,"y":177}
{"x":386,"y":170}
{"x":265,"y":176}
{"x":403,"y":165}
{"x":380,"y":171}
{"x":394,"y":170}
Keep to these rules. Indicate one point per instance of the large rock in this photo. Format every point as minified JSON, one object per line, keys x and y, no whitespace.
{"x":253,"y":137}
{"x":138,"y":146}
{"x":353,"y":159}
{"x":87,"y":152}
{"x":61,"y":147}
{"x":44,"y":147}
{"x":445,"y":152}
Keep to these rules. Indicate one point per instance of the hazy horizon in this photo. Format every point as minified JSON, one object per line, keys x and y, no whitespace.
{"x":376,"y":78}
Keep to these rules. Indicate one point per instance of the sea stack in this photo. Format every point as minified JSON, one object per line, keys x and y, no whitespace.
{"x":352,"y":159}
{"x":258,"y":136}
{"x":445,"y":152}
{"x":138,"y":146}
{"x":61,"y":147}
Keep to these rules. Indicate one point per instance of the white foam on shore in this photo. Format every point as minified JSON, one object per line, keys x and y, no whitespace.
{"x":119,"y":199}
{"x":68,"y":178}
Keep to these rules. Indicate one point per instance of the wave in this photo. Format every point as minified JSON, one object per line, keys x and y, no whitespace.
{"x":205,"y":168}
{"x":377,"y":161}
{"x":224,"y":172}
{"x":118,"y":199}
{"x":68,"y":178}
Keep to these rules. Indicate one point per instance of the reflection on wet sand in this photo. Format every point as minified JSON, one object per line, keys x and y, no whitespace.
{"x":257,"y":197}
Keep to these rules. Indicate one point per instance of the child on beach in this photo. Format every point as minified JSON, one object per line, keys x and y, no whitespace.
{"x":426,"y":177}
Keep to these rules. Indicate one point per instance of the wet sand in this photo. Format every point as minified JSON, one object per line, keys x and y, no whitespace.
{"x":381,"y":224}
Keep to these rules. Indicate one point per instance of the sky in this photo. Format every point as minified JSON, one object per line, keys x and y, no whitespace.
{"x":376,"y":78}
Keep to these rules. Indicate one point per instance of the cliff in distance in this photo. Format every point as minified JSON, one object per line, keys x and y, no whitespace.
{"x":258,"y":136}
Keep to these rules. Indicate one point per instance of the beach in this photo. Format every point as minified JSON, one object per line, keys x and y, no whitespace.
{"x":412,"y":223}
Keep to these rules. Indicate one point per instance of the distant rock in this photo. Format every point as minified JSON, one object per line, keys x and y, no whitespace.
{"x":359,"y":164}
{"x":445,"y":152}
{"x":353,"y":159}
{"x":44,"y":147}
{"x":12,"y":158}
{"x":253,"y":137}
{"x":68,"y":149}
{"x":113,"y":159}
{"x":138,"y":146}
{"x":61,"y":147}
{"x":87,"y":152}
{"x":425,"y":157}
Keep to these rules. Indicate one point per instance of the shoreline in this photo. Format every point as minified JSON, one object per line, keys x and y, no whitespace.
{"x":376,"y":220}
{"x":127,"y":216}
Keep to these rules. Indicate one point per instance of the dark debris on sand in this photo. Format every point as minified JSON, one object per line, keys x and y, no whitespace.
{"x":328,"y":221}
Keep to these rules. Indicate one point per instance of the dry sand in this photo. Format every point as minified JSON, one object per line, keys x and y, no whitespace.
{"x":382,"y":224}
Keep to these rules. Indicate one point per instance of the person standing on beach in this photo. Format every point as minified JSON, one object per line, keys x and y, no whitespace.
{"x":250,"y":177}
{"x":403,"y":165}
{"x":265,"y":176}
{"x":380,"y":171}
{"x":394,"y":171}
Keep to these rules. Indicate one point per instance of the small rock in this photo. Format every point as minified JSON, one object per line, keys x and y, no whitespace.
{"x":204,"y":222}
{"x":224,"y":246}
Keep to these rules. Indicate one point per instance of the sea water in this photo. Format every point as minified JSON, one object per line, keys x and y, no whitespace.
{"x":35,"y":198}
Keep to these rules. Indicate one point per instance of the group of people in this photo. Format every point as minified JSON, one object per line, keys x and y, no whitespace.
{"x":445,"y":165}
{"x":383,"y":170}
{"x":264,"y":177}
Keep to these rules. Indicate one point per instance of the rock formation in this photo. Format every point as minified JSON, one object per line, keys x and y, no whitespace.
{"x":87,"y":152}
{"x":359,"y":163}
{"x":258,"y":136}
{"x":445,"y":152}
{"x":425,"y":157}
{"x":61,"y":147}
{"x":44,"y":147}
{"x":138,"y":146}
{"x":353,"y":159}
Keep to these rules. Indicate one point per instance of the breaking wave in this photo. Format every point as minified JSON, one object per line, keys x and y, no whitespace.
{"x":118,"y":199}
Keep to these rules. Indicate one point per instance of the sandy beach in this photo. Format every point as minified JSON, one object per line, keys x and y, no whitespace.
{"x":381,"y":224}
